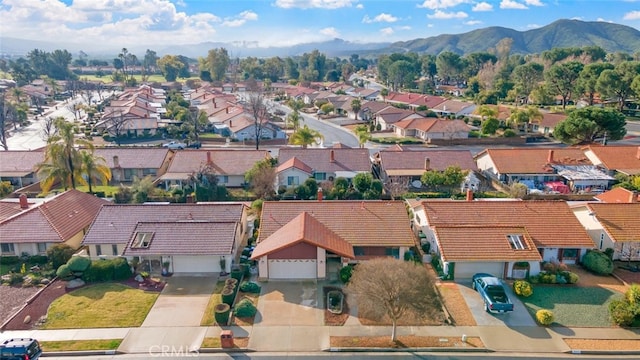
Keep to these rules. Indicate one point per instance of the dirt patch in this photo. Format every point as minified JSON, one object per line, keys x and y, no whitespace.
{"x":587,"y":279}
{"x":38,"y":307}
{"x":455,"y":304}
{"x":602,"y":344}
{"x":410,"y":318}
{"x":12,"y":298}
{"x":627,"y":276}
{"x":410,"y":341}
{"x":331,"y":319}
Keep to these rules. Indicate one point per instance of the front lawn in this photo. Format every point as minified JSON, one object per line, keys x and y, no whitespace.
{"x":208,"y":318}
{"x":80,"y":345}
{"x":100,"y":306}
{"x":572,"y":306}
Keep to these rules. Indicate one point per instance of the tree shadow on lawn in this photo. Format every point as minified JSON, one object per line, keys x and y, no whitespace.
{"x":572,"y":305}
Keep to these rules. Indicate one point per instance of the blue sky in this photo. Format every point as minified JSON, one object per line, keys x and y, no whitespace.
{"x":131,"y":23}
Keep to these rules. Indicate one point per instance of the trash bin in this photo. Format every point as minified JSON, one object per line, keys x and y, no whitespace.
{"x":226,"y":339}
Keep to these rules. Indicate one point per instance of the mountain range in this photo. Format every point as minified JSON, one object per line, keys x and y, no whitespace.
{"x":562,"y":33}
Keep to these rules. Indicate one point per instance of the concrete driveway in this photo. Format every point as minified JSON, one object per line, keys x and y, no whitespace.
{"x":518,"y":317}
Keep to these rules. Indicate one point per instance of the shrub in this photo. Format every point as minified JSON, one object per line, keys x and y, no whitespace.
{"x":9,"y":260}
{"x":534,"y":279}
{"x":426,"y":247}
{"x":15,"y":278}
{"x":621,"y":312}
{"x":237,"y":274}
{"x":544,"y":317}
{"x":78,"y":263}
{"x":231,"y":282}
{"x":609,"y":252}
{"x":100,"y":270}
{"x":250,"y":287}
{"x":509,"y":133}
{"x":59,"y":254}
{"x":64,"y":272}
{"x":598,"y":262}
{"x":38,"y":259}
{"x":571,"y":277}
{"x":560,"y":279}
{"x":227,"y":296}
{"x":245,"y":308}
{"x":121,"y":269}
{"x":547,"y":278}
{"x":221,"y":313}
{"x":633,"y":294}
{"x":522,"y":288}
{"x":345,"y":273}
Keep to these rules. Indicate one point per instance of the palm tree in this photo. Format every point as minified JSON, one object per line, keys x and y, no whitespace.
{"x":294,"y":117}
{"x":305,"y":137}
{"x":362,"y":132}
{"x":486,"y":111}
{"x":94,"y":168}
{"x":62,"y":160}
{"x":356,"y":105}
{"x":525,"y":116}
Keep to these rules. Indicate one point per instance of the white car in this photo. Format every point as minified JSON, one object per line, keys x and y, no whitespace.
{"x":175,"y":145}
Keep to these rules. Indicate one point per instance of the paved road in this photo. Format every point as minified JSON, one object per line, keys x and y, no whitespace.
{"x":352,"y":356}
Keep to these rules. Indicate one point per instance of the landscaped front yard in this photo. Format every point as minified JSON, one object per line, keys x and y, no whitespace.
{"x":100,"y":306}
{"x":573,"y":306}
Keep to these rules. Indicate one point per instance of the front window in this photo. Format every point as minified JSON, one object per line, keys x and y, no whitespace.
{"x":394,"y":252}
{"x":98,"y":250}
{"x":128,"y":174}
{"x":358,"y":250}
{"x":569,"y":253}
{"x":114,"y":249}
{"x":320,"y":176}
{"x":7,"y":248}
{"x":142,"y":240}
{"x":146,"y":172}
{"x":42,"y":248}
{"x":223,"y":179}
{"x":293,"y":181}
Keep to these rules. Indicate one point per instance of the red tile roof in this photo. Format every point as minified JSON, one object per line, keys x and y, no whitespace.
{"x":361,"y":223}
{"x":413,"y":162}
{"x":625,"y":159}
{"x":549,"y":223}
{"x":484,"y":243}
{"x":619,"y":195}
{"x":133,"y":158}
{"x":296,"y":163}
{"x":304,"y":228}
{"x":19,"y":163}
{"x":115,"y":224}
{"x":55,"y":220}
{"x":620,"y":221}
{"x":225,"y":162}
{"x":318,"y":159}
{"x":533,"y":160}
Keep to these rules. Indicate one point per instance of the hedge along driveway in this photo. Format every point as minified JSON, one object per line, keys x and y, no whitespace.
{"x":100,"y":306}
{"x":573,"y":306}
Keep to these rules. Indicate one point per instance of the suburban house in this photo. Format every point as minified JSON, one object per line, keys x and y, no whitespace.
{"x":243,"y":128}
{"x":612,"y":225}
{"x":392,"y":115}
{"x":618,"y":195}
{"x":135,"y":112}
{"x":548,"y":123}
{"x":192,"y":238}
{"x":313,"y":239}
{"x":19,"y":167}
{"x":31,"y":226}
{"x":454,"y":107}
{"x":502,"y":236}
{"x":427,"y":129}
{"x":406,"y":165}
{"x":321,"y":164}
{"x":128,"y":163}
{"x":228,"y":165}
{"x":369,"y":109}
{"x":615,"y":159}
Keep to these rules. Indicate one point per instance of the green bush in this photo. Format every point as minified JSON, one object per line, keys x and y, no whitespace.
{"x":15,"y":279}
{"x":221,"y":313}
{"x":64,"y":272}
{"x":38,"y":259}
{"x":571,"y":277}
{"x":9,"y":260}
{"x":509,"y":133}
{"x":621,"y":312}
{"x":560,"y":279}
{"x":345,"y":273}
{"x":231,"y":282}
{"x":237,"y":274}
{"x":522,"y":288}
{"x":245,"y":308}
{"x":534,"y":279}
{"x":547,"y":278}
{"x":59,"y":254}
{"x":250,"y":287}
{"x":78,"y":263}
{"x":597,"y":262}
{"x":121,"y":269}
{"x":544,"y":317}
{"x":228,"y":296}
{"x":99,"y":271}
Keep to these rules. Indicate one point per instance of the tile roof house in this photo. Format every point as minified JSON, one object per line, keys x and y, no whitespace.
{"x":193,"y":238}
{"x":392,"y":115}
{"x":427,"y":129}
{"x":407,"y":165}
{"x":623,"y":159}
{"x":454,"y":107}
{"x":612,"y":225}
{"x":618,"y":195}
{"x":228,"y":165}
{"x":321,"y":163}
{"x":548,"y":123}
{"x":31,"y":227}
{"x":313,"y":239}
{"x":18,"y":167}
{"x":492,"y":236}
{"x":127,"y":163}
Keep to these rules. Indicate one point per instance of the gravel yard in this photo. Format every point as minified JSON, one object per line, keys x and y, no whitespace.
{"x":35,"y":309}
{"x":13,"y":298}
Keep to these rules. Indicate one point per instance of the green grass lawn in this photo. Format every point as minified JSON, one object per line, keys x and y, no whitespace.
{"x":572,"y":306}
{"x":208,"y":318}
{"x":80,"y":345}
{"x":4,"y":268}
{"x":107,"y":189}
{"x":100,"y":306}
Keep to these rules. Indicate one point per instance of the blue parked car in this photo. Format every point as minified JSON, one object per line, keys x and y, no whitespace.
{"x":493,"y":294}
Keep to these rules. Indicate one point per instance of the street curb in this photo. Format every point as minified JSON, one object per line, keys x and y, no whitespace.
{"x":602,"y":352}
{"x":428,"y":349}
{"x":221,"y":350}
{"x":82,"y":353}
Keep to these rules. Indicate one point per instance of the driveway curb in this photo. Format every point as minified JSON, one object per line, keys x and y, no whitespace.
{"x":603,"y":352}
{"x":82,"y":353}
{"x":428,"y":349}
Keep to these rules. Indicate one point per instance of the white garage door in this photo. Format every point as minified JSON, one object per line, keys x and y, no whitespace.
{"x":195,"y":264}
{"x":465,"y":270}
{"x":292,"y":269}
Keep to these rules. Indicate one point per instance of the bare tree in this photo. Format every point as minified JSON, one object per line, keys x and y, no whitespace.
{"x":48,"y":129}
{"x":117,"y":126}
{"x":382,"y":290}
{"x":396,"y":186}
{"x":257,"y":108}
{"x":261,"y":178}
{"x":7,"y":116}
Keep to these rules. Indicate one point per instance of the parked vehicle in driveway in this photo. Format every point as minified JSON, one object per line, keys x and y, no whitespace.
{"x":174,"y":145}
{"x":20,"y":349}
{"x":493,"y":294}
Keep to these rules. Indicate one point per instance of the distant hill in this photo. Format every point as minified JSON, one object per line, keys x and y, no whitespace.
{"x":561,"y":33}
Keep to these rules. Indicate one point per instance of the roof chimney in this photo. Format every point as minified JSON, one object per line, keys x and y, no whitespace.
{"x":24,"y":204}
{"x":332,"y":156}
{"x":469,"y":195}
{"x":116,"y":161}
{"x":427,"y":164}
{"x":550,"y":157}
{"x":209,"y":161}
{"x":319,"y":194}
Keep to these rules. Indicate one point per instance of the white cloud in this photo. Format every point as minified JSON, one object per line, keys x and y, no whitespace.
{"x":429,"y":25}
{"x":404,"y":28}
{"x":632,"y":15}
{"x":533,"y":26}
{"x":439,"y":14}
{"x":386,"y":31}
{"x":604,"y":20}
{"x":533,"y":2}
{"x":482,"y":6}
{"x":241,"y":19}
{"x":330,"y":31}
{"x":360,"y":6}
{"x":510,"y":4}
{"x":441,"y":4}
{"x":314,"y":4}
{"x":380,"y":18}
{"x":473,"y":22}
